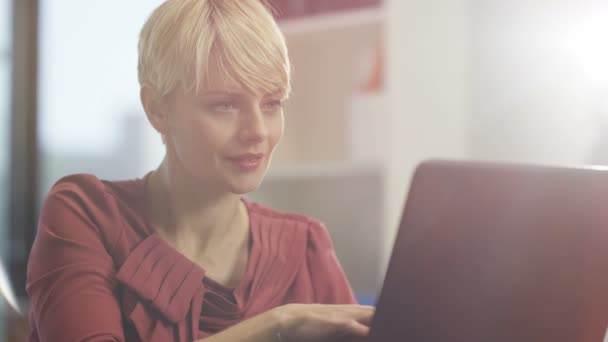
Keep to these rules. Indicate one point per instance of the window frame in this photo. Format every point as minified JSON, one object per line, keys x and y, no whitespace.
{"x":23,"y":158}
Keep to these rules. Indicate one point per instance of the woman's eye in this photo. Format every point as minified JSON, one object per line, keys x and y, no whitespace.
{"x":273,"y":105}
{"x":224,"y":106}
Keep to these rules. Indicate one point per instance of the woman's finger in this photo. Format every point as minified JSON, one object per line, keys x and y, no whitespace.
{"x":357,"y":329}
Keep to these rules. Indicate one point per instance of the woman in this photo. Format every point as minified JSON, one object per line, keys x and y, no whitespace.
{"x":179,"y":255}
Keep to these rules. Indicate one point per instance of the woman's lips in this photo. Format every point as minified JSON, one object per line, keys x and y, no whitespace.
{"x":247,"y":162}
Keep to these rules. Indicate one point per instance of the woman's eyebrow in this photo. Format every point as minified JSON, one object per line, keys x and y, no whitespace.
{"x":278,"y":93}
{"x":237,"y":93}
{"x":221,"y":92}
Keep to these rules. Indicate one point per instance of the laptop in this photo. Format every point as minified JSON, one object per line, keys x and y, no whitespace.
{"x":498,"y":252}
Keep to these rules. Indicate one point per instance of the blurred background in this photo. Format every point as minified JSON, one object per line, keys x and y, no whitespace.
{"x":378,"y":86}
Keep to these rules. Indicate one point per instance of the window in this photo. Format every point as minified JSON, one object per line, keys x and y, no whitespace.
{"x":90,"y":119}
{"x":5,"y":67}
{"x":5,"y":74}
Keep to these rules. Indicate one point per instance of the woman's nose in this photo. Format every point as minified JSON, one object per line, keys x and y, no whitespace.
{"x":254,"y":127}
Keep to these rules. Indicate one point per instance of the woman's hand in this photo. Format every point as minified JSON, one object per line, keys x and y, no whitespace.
{"x":322,"y":322}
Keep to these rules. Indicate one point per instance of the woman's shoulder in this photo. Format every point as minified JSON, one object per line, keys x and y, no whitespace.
{"x":314,"y":229}
{"x":85,"y":197}
{"x":78,"y":183}
{"x":89,"y":190}
{"x":82,"y":191}
{"x":86,"y":184}
{"x":265,"y":211}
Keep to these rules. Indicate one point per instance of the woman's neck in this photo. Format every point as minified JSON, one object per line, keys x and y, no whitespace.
{"x":191,"y":218}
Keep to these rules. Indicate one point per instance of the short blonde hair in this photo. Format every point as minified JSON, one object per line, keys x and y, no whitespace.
{"x":179,"y":38}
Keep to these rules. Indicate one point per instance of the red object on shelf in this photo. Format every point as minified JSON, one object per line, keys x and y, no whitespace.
{"x":291,"y":8}
{"x":300,"y":8}
{"x":322,"y":6}
{"x":375,"y":80}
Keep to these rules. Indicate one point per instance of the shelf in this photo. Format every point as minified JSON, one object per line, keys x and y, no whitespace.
{"x":320,"y":23}
{"x":321,"y":170}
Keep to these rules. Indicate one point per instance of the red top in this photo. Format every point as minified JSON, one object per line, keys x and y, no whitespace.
{"x":99,"y":272}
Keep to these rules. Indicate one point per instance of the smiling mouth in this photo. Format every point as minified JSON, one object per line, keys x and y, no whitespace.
{"x":248,"y":156}
{"x":247,"y":162}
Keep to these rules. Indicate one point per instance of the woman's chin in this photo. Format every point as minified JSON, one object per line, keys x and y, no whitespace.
{"x":244,"y":186}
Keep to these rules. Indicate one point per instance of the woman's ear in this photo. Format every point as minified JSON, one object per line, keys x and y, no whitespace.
{"x":155,"y":109}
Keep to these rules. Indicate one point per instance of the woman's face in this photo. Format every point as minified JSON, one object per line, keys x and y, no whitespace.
{"x":224,"y":136}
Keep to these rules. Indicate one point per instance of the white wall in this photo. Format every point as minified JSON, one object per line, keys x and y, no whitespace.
{"x":428,"y":82}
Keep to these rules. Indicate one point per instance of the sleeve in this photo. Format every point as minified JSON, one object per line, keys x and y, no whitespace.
{"x":330,"y":284}
{"x":70,"y":277}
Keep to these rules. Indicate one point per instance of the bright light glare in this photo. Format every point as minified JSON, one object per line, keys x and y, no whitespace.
{"x":6,"y":290}
{"x":587,"y":45}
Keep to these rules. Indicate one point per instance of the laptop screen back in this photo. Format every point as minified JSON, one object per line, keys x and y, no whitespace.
{"x":494,"y":252}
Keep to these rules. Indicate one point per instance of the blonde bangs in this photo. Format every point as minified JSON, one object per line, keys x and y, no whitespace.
{"x":241,"y":36}
{"x":250,"y":47}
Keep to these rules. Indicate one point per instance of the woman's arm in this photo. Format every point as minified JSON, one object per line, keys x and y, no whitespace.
{"x":265,"y":327}
{"x":70,"y":278}
{"x":301,"y":322}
